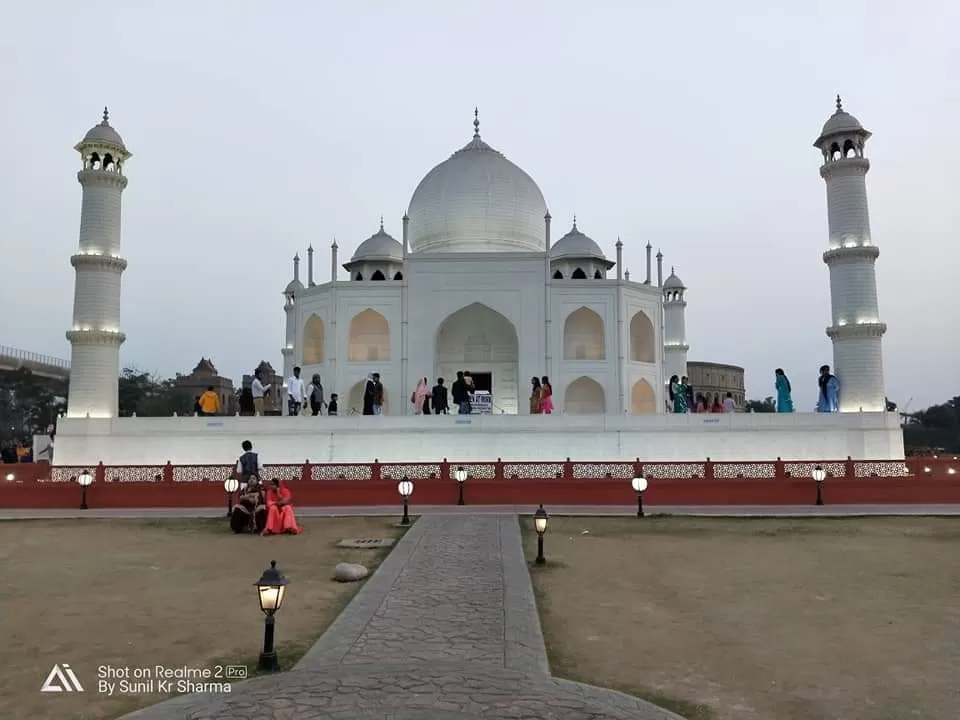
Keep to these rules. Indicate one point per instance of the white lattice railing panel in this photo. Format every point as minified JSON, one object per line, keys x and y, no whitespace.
{"x":599,"y":471}
{"x":532,"y":471}
{"x":340,"y":472}
{"x":411,"y":472}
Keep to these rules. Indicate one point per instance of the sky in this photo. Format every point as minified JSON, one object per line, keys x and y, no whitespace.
{"x":259,"y":128}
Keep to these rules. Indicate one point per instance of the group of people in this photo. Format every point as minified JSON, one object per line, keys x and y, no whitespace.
{"x":681,"y":398}
{"x":427,"y":400}
{"x":264,"y":508}
{"x":541,"y":396}
{"x":309,"y":399}
{"x":828,"y":391}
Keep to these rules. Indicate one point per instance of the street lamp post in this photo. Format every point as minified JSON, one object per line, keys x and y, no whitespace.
{"x":639,"y":485}
{"x":271,"y":588}
{"x":460,"y":474}
{"x":819,"y":475}
{"x":84,"y":480}
{"x":230,"y":485}
{"x":540,"y":524}
{"x":405,"y":488}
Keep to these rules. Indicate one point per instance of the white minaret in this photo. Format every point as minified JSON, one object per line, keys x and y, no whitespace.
{"x":95,"y":337}
{"x":856,"y":330}
{"x":674,"y":327}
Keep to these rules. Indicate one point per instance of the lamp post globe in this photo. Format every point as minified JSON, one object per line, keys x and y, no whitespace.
{"x":639,"y":485}
{"x":460,"y":475}
{"x":84,"y":480}
{"x":819,"y":475}
{"x":405,"y":488}
{"x":540,"y":525}
{"x":271,"y":588}
{"x":230,"y":486}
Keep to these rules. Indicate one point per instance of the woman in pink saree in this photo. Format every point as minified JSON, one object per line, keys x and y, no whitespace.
{"x":280,"y":517}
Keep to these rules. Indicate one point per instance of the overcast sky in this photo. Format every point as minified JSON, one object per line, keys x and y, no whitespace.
{"x":258,"y":128}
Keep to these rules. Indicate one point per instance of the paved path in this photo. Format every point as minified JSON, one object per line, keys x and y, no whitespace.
{"x":446,"y":510}
{"x":446,"y":629}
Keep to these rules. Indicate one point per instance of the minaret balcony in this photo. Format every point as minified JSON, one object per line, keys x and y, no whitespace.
{"x":90,"y":176}
{"x":856,"y":330}
{"x":855,"y":252}
{"x":98,"y":261}
{"x":91,"y":336}
{"x":845,"y":166}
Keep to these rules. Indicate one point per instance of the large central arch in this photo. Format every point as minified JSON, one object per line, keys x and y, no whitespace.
{"x":481,"y":340}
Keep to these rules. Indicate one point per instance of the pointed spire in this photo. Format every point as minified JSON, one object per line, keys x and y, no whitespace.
{"x":839,"y":104}
{"x":296,"y":258}
{"x":476,"y":122}
{"x":649,"y":246}
{"x":106,"y":116}
{"x":381,"y":223}
{"x":659,"y":255}
{"x":619,"y":243}
{"x":310,"y":248}
{"x":672,"y":270}
{"x":574,"y":221}
{"x":334,"y":244}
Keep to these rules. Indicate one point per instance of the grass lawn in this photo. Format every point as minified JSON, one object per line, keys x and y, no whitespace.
{"x":142,"y":593}
{"x":716,"y":619}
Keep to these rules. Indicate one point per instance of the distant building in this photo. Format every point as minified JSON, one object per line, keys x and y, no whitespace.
{"x":715,"y":380}
{"x":205,"y":375}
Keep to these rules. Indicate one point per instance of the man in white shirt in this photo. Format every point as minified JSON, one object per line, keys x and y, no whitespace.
{"x":296,"y":392}
{"x":258,"y":389}
{"x":729,"y":405}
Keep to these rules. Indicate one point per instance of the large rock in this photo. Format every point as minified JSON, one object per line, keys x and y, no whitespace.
{"x":349,"y":572}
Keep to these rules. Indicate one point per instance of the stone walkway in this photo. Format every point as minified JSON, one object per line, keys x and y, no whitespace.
{"x":445,"y":629}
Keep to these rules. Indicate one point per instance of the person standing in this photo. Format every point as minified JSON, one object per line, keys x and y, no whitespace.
{"x":315,"y":395}
{"x":209,"y":402}
{"x":459,"y":392}
{"x":535,"y":395}
{"x":439,"y":398}
{"x":782,"y":384}
{"x":296,"y":392}
{"x":729,"y":404}
{"x":678,"y":395}
{"x":369,"y":395}
{"x":420,"y":398}
{"x":377,"y":394}
{"x":828,"y":399}
{"x":258,"y":390}
{"x":546,"y":396}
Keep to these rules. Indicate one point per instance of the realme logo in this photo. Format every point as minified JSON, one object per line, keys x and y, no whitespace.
{"x":61,"y":679}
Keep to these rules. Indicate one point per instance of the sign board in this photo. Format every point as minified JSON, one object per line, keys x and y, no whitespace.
{"x":482,"y":403}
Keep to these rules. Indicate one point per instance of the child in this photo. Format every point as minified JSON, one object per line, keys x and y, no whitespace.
{"x":332,"y":405}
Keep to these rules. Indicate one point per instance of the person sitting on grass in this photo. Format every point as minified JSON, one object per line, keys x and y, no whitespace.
{"x":280,"y":517}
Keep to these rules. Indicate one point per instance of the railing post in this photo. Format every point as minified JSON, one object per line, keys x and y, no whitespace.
{"x":849,"y":471}
{"x":375,"y":473}
{"x":568,"y":470}
{"x":168,"y":472}
{"x":778,"y":470}
{"x":305,"y":472}
{"x":708,"y":470}
{"x":444,"y":469}
{"x":638,"y":468}
{"x":100,"y":473}
{"x":498,"y":470}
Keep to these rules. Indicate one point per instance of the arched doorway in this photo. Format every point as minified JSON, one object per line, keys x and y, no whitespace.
{"x":313,"y":341}
{"x":583,"y":336}
{"x":369,"y":337}
{"x":484,"y":342}
{"x":584,"y":396}
{"x":642,"y":339}
{"x":355,"y":400}
{"x":643,"y":400}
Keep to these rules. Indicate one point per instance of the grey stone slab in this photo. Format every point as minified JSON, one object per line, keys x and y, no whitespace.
{"x":366,"y":543}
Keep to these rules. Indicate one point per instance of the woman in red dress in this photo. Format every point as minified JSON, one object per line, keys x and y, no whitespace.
{"x":280,"y":517}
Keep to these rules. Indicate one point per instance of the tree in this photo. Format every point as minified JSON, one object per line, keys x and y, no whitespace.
{"x":29,"y":404}
{"x":146,"y":395}
{"x":767,"y":405}
{"x":936,"y":428}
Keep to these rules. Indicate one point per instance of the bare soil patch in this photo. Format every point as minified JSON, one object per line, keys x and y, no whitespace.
{"x":716,"y":619}
{"x":142,"y":593}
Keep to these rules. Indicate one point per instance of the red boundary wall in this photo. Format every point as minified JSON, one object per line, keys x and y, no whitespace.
{"x":914,"y":481}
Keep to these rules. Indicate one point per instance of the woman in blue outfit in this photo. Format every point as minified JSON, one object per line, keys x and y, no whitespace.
{"x":782,"y":384}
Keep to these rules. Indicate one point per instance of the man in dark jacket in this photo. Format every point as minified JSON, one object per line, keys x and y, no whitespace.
{"x":459,"y":392}
{"x":438,"y":398}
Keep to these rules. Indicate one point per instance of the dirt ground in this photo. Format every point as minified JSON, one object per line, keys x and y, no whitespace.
{"x":773,"y":619}
{"x":127,"y":594}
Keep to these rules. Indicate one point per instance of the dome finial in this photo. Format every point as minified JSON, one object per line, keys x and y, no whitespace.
{"x":574,"y":221}
{"x":381,"y":223}
{"x":106,"y":115}
{"x":673,"y":270}
{"x":839,"y":104}
{"x":476,"y":122}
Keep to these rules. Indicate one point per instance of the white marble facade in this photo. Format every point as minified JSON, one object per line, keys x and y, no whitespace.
{"x":476,"y":284}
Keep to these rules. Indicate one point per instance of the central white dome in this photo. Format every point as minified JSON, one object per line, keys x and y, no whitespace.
{"x":477,"y":201}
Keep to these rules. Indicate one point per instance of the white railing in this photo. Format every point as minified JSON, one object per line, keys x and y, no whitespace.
{"x":25,"y":356}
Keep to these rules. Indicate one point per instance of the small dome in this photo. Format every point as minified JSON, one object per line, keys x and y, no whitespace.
{"x":293,"y":286}
{"x":103,"y":134}
{"x":673,"y":282}
{"x":576,"y":244}
{"x":477,"y":201}
{"x":380,"y":246}
{"x":841,"y":122}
